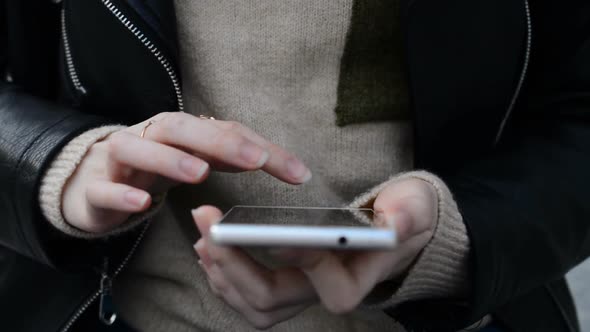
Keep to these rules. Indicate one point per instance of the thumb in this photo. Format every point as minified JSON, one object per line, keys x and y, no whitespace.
{"x":393,"y":210}
{"x":396,"y":219}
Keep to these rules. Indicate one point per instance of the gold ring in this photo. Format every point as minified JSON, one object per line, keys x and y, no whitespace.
{"x":145,"y":128}
{"x":204,"y":117}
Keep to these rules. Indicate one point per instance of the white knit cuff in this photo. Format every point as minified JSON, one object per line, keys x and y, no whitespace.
{"x":441,"y":269}
{"x":62,"y":168}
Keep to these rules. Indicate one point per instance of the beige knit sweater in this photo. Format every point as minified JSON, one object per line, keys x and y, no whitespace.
{"x":275,"y":67}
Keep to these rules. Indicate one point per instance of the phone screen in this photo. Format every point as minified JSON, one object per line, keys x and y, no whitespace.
{"x":298,"y":216}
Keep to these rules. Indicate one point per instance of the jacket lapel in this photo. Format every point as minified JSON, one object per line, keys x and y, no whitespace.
{"x":464,"y":58}
{"x":159,"y":15}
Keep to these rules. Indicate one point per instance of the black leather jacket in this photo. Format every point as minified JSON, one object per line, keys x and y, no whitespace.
{"x":501,"y":101}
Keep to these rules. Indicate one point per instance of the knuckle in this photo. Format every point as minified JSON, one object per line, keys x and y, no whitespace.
{"x":219,"y":285}
{"x":115,"y":143}
{"x":173,"y":121}
{"x":275,"y":149}
{"x":162,"y":115}
{"x":263,"y":300}
{"x":229,"y":135}
{"x":159,"y":130}
{"x":218,"y":256}
{"x":165,"y":124}
{"x":225,"y":139}
{"x":95,"y":195}
{"x":231,"y":125}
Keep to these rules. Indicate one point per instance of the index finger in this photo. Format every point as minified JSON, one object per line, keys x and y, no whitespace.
{"x":281,"y":164}
{"x":227,"y":143}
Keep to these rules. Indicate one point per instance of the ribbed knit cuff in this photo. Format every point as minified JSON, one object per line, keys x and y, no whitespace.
{"x":62,"y":168}
{"x":440,"y":271}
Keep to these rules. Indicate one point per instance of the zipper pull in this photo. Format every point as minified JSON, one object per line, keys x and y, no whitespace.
{"x":106,"y":308}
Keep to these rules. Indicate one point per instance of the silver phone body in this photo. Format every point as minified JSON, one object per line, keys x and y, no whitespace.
{"x":331,"y":228}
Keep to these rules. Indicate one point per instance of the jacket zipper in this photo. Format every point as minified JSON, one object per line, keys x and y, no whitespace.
{"x":151,"y":47}
{"x":106,"y":313}
{"x":73,"y":74}
{"x":523,"y":73}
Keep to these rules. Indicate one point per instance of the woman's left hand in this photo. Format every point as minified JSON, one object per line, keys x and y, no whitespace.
{"x":266,"y":297}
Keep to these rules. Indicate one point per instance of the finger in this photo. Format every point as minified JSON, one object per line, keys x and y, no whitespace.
{"x":200,"y":248}
{"x":260,"y":320}
{"x":358,"y":271}
{"x":369,"y":268}
{"x":207,"y":271}
{"x":263,"y":289}
{"x":410,"y":205}
{"x":340,"y":291}
{"x":116,"y":196}
{"x":153,"y":157}
{"x":205,"y":216}
{"x":111,"y":203}
{"x":390,"y":210}
{"x":372,"y":268}
{"x":208,"y":141}
{"x":279,"y":160}
{"x":227,"y":143}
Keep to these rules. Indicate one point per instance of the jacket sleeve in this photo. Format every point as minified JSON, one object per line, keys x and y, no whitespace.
{"x":525,"y":204}
{"x":32,"y":131}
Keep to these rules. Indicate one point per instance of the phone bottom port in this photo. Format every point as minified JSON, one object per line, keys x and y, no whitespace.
{"x":342,"y":241}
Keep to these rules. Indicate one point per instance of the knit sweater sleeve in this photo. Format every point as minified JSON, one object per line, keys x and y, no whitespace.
{"x":440,"y":271}
{"x":62,"y":168}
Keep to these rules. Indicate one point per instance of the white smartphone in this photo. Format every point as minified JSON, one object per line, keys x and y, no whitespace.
{"x":334,"y":228}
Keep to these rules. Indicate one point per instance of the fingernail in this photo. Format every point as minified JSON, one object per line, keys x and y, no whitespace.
{"x":198,"y":246}
{"x":253,"y":154}
{"x":136,"y":198}
{"x":297,"y":170}
{"x":263,"y":159}
{"x":192,"y":168}
{"x":202,"y":170}
{"x":195,"y":213}
{"x":306,"y":177}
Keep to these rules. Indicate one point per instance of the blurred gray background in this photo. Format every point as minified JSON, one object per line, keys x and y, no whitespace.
{"x":580,"y":285}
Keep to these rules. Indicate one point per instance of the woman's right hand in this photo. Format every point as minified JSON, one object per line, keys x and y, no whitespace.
{"x":117,"y":175}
